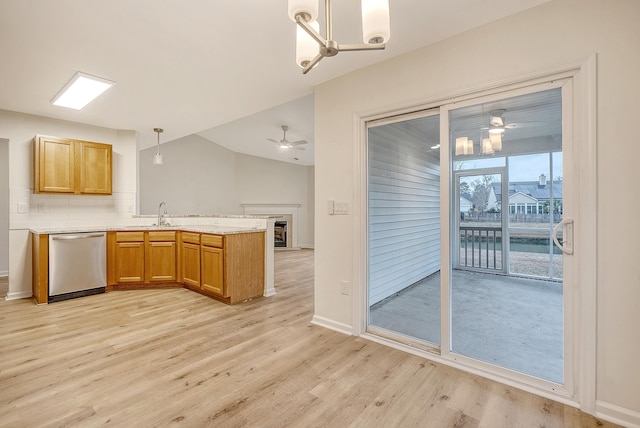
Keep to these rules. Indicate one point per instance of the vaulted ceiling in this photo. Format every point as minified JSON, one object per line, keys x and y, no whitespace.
{"x":222,"y":69}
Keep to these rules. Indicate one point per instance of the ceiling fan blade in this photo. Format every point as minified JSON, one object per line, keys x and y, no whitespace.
{"x":296,"y":143}
{"x":297,"y":148}
{"x":524,"y":124}
{"x":273,"y":141}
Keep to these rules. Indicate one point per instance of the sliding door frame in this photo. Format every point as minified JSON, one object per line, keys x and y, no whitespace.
{"x":580,"y":384}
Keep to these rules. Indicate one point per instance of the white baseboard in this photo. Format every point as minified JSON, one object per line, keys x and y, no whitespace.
{"x":19,"y":295}
{"x":269,"y":292}
{"x":332,"y":325}
{"x":618,"y":415}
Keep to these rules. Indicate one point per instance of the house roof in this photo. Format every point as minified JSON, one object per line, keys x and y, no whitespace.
{"x":531,"y":188}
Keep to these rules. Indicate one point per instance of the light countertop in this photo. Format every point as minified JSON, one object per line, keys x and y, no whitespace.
{"x":213,"y":229}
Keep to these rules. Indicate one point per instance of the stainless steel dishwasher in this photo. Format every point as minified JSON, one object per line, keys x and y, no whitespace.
{"x":77,"y":265}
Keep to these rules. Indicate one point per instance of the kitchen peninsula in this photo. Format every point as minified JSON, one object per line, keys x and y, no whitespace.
{"x":230,"y":263}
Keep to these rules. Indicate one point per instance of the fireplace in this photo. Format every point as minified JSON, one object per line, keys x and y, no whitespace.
{"x":285,"y":222}
{"x":280,"y":234}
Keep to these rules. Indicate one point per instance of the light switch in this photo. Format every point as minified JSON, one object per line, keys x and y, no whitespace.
{"x":330,"y":209}
{"x":341,"y":208}
{"x":22,"y":208}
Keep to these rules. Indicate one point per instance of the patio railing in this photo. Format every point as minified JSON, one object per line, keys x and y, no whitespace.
{"x":481,"y":247}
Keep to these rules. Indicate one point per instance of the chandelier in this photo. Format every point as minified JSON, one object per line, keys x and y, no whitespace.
{"x":311,"y":47}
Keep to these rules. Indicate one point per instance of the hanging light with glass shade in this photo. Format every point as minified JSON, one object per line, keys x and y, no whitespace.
{"x":311,"y":47}
{"x":464,"y":146}
{"x":157,"y":158}
{"x":487,"y":148}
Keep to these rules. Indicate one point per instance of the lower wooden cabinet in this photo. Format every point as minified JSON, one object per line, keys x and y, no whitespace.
{"x":160,"y":256}
{"x":213,"y":270}
{"x":128,"y":257}
{"x":229,"y":268}
{"x":190,"y":264}
{"x":140,"y":257}
{"x":130,"y":262}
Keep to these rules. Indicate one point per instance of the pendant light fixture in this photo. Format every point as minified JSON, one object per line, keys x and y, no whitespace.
{"x":464,"y":146}
{"x":311,"y":47}
{"x":487,"y":148}
{"x":496,"y":141}
{"x":157,"y":158}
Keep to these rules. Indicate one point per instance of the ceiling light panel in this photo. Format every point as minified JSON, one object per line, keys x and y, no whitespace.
{"x":81,"y":90}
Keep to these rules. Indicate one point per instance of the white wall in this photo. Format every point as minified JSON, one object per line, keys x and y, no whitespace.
{"x":59,"y":210}
{"x":201,"y":177}
{"x":266,"y":181}
{"x":542,"y":37}
{"x":4,"y":207}
{"x":196,"y":177}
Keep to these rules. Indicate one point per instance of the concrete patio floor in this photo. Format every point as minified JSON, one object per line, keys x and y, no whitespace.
{"x":516,"y":323}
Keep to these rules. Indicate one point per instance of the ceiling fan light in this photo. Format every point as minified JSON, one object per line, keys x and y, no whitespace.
{"x":496,"y":130}
{"x":306,"y":47}
{"x":375,"y":21}
{"x":496,"y":142}
{"x":487,"y":148}
{"x":307,"y":8}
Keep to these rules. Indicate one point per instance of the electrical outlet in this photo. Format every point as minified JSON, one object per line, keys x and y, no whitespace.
{"x":22,"y":208}
{"x":346,"y":287}
{"x":43,"y":208}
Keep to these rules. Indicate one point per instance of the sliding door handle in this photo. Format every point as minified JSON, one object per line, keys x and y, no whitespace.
{"x":567,"y":235}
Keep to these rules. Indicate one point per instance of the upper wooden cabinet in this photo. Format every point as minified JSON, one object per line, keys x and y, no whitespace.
{"x":71,"y":166}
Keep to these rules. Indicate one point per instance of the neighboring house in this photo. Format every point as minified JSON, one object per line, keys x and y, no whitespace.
{"x":529,"y":197}
{"x":465,"y":203}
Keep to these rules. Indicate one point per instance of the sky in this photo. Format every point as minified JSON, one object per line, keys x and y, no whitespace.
{"x":522,"y":168}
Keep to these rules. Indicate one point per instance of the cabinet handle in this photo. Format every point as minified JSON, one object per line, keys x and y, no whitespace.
{"x":72,"y":237}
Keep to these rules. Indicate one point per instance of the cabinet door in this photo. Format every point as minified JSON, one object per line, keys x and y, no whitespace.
{"x":95,"y":168}
{"x":54,"y":165}
{"x":213,"y":270}
{"x":161,"y":262}
{"x":129,"y":262}
{"x":191,"y":264}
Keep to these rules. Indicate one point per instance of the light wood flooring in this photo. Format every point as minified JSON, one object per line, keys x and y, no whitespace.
{"x":4,"y":287}
{"x":171,"y":357}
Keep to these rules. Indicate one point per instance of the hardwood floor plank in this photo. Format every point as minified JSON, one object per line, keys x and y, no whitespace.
{"x":172,"y":357}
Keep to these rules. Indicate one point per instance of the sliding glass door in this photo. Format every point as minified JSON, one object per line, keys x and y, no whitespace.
{"x":461,"y":252}
{"x":404,"y":227}
{"x":506,"y":289}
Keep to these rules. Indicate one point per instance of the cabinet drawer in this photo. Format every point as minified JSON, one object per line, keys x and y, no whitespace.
{"x":162,"y":235}
{"x":190,"y":237}
{"x":212,"y":240}
{"x":130,"y":236}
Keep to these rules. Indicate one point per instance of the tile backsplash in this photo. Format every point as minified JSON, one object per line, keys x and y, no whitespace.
{"x":28,"y":209}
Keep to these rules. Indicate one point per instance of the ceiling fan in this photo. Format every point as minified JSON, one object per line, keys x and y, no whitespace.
{"x":286,"y":144}
{"x":497,"y":123}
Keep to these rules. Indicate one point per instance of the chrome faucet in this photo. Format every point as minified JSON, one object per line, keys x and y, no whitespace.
{"x":162,"y":221}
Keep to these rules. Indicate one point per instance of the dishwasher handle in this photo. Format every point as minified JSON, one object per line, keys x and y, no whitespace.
{"x":83,"y":236}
